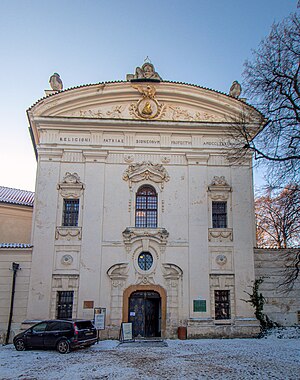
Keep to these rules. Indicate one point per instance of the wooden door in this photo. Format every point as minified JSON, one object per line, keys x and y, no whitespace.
{"x":144,"y":313}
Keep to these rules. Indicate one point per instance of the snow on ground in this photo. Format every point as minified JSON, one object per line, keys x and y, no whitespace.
{"x":276,"y":356}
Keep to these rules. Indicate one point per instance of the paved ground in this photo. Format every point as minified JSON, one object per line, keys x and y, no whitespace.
{"x":270,"y":358}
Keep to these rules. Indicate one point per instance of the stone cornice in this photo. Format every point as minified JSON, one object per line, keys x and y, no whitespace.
{"x":61,"y":122}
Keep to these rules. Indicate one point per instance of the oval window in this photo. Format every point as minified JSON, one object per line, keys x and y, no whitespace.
{"x":145,"y":260}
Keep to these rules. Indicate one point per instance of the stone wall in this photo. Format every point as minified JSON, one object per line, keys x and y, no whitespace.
{"x":280,"y":306}
{"x":23,"y":258}
{"x":210,"y":328}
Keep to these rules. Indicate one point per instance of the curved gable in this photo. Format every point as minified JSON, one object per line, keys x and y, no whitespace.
{"x":167,"y":101}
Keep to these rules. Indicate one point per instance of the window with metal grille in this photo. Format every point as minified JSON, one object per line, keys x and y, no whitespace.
{"x":70,"y":212}
{"x":222,"y":304}
{"x":146,"y":207}
{"x":145,"y":260}
{"x":64,"y":304}
{"x":219,"y":214}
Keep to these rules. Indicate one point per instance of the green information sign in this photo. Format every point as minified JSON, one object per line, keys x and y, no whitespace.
{"x":199,"y":305}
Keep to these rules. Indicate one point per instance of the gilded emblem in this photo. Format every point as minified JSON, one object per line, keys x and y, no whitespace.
{"x":147,"y":107}
{"x":147,"y":110}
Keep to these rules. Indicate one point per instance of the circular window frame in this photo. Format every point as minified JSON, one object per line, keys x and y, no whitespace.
{"x":135,"y":256}
{"x":146,"y":253}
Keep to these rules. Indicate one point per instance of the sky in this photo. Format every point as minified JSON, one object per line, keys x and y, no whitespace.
{"x":203,"y":42}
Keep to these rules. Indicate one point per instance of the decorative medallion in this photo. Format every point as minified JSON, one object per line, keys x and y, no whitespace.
{"x":221,"y":260}
{"x":165,"y":159}
{"x":67,"y":260}
{"x":147,"y":107}
{"x":128,"y":158}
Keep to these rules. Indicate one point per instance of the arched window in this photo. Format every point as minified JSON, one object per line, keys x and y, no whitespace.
{"x":146,"y":207}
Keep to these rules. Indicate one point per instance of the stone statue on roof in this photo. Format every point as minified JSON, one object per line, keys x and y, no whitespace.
{"x":235,"y":89}
{"x":55,"y":82}
{"x":146,"y":72}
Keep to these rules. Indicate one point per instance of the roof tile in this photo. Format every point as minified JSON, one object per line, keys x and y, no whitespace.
{"x":15,"y":245}
{"x":16,"y":196}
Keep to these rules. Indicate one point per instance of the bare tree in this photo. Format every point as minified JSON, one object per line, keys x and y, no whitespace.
{"x":291,"y":271}
{"x":278,"y":218}
{"x":278,"y":226}
{"x":271,"y":84}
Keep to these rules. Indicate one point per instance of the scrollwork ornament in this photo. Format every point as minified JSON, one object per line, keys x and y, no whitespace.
{"x":118,"y":283}
{"x":71,"y":178}
{"x":137,"y":172}
{"x":219,"y":181}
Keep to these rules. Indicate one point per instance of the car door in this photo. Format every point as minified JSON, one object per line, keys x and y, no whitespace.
{"x":52,"y":334}
{"x":35,"y":336}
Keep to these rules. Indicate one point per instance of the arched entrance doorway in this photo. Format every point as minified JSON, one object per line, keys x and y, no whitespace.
{"x":145,"y":314}
{"x":145,"y":307}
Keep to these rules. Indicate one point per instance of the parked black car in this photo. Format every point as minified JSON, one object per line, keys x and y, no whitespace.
{"x":61,"y":335}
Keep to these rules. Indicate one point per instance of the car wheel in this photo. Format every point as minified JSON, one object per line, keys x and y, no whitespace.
{"x":63,"y":346}
{"x":20,"y":345}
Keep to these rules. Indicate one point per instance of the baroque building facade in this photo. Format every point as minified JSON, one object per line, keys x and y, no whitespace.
{"x":138,"y":210}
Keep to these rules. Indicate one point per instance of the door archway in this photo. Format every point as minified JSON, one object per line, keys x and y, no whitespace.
{"x":145,"y":306}
{"x":145,"y":314}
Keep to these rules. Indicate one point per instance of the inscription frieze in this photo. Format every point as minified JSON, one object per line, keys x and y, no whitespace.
{"x":142,"y":140}
{"x":75,"y":139}
{"x":218,"y":143}
{"x":113,"y":141}
{"x":181,"y":142}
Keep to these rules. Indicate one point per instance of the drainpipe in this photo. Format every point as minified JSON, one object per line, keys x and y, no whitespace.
{"x":15,"y":267}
